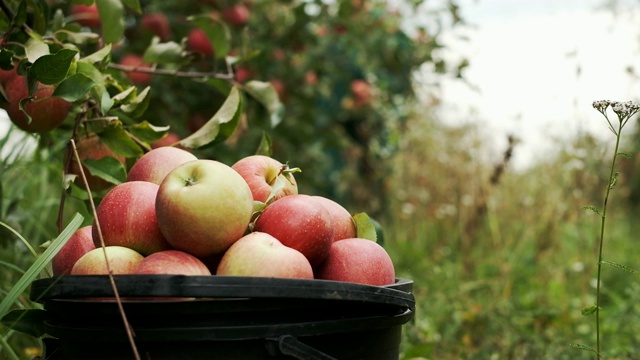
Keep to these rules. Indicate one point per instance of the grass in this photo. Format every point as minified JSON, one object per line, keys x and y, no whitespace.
{"x":503,"y":262}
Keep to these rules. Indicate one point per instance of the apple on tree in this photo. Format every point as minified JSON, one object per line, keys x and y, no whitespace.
{"x":357,"y":260}
{"x":198,"y":41}
{"x":127,"y":217}
{"x":122,"y":260}
{"x":80,"y":243}
{"x":157,"y":163}
{"x":203,"y":206}
{"x":300,"y":222}
{"x":47,"y":112}
{"x":86,"y":15}
{"x":174,"y":262}
{"x":267,"y":177}
{"x":91,"y":147}
{"x":236,"y":15}
{"x":158,"y":24}
{"x":260,"y":254}
{"x":136,"y":77}
{"x":343,"y":225}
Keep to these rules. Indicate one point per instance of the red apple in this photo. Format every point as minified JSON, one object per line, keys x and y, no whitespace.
{"x":343,"y":225}
{"x":260,"y":254}
{"x":359,"y":261}
{"x":122,"y":260}
{"x":198,"y":41}
{"x":127,"y":217}
{"x":86,"y":15}
{"x":203,"y":207}
{"x":361,"y":90}
{"x":300,"y":222}
{"x":267,"y":177}
{"x":168,"y":140}
{"x":158,"y":24}
{"x":157,"y":163}
{"x":78,"y":244}
{"x":47,"y":112}
{"x":136,"y":77}
{"x":6,"y":75}
{"x":236,"y":15}
{"x":91,"y":147}
{"x":243,"y":75}
{"x":172,"y":262}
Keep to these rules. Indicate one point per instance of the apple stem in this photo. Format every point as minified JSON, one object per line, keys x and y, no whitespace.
{"x":287,"y":172}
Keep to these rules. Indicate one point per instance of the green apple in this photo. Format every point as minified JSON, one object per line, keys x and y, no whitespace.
{"x":203,"y":207}
{"x":357,"y":260}
{"x":260,"y":254}
{"x":122,"y":260}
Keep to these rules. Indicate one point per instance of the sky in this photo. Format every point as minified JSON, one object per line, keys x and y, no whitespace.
{"x":537,"y":66}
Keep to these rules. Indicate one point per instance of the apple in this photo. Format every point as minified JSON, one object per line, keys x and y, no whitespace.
{"x":300,"y":222}
{"x":86,"y":15}
{"x":357,"y":260}
{"x":158,"y":24}
{"x":91,"y":147}
{"x":260,"y":254}
{"x":78,"y":244}
{"x":127,"y":217}
{"x":47,"y":112}
{"x":168,"y":140}
{"x":203,"y":206}
{"x":198,"y":41}
{"x":343,"y":225}
{"x":136,"y":77}
{"x":243,"y":75}
{"x":236,"y":15}
{"x":266,"y":175}
{"x":122,"y":260}
{"x":172,"y":262}
{"x":157,"y":163}
{"x":361,"y":90}
{"x":6,"y":75}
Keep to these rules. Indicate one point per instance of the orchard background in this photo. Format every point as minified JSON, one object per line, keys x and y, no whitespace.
{"x":501,"y":260}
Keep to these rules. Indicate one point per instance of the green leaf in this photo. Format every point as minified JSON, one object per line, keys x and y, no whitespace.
{"x":134,"y":5}
{"x":145,"y":131}
{"x":619,"y":266}
{"x":6,"y":59}
{"x":98,"y":56}
{"x":139,"y":105}
{"x":117,"y":139}
{"x":74,"y":88}
{"x":591,"y":208}
{"x":589,"y":310}
{"x":39,"y":265}
{"x":625,"y":155}
{"x":36,"y":48}
{"x":51,"y":69}
{"x":365,"y":228}
{"x":104,"y":98}
{"x":164,"y":53}
{"x":112,"y":20}
{"x":265,"y":146}
{"x":584,"y":347}
{"x":217,"y":32}
{"x":265,"y":94}
{"x":28,"y":321}
{"x":107,"y":168}
{"x":82,"y":37}
{"x":220,"y":126}
{"x":21,"y":15}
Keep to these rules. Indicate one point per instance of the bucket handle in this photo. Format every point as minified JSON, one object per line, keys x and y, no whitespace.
{"x":289,"y":345}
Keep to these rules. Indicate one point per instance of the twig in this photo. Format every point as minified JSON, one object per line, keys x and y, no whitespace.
{"x":128,"y":329}
{"x":178,"y":73}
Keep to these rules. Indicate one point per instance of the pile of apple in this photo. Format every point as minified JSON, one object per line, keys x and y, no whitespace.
{"x":178,"y":214}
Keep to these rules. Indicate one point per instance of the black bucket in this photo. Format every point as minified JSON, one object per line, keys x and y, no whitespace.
{"x":222,"y":317}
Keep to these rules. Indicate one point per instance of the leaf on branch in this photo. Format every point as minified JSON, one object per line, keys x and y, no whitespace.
{"x":112,"y":20}
{"x":107,"y":168}
{"x":589,"y":310}
{"x":265,"y":94}
{"x":220,"y":126}
{"x":98,"y":56}
{"x":583,"y":347}
{"x":264,"y":148}
{"x":619,"y":266}
{"x":625,"y":155}
{"x":51,"y":69}
{"x":74,"y":88}
{"x":134,"y":5}
{"x":146,"y":132}
{"x":117,"y":139}
{"x":138,"y":106}
{"x":6,"y":59}
{"x":365,"y":227}
{"x":164,"y":53}
{"x":591,"y":208}
{"x":28,"y":321}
